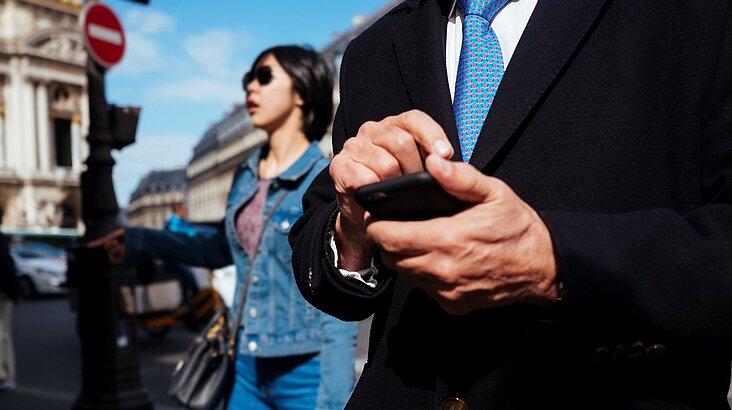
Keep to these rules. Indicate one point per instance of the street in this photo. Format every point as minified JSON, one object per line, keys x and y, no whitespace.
{"x":49,"y":365}
{"x":48,"y":358}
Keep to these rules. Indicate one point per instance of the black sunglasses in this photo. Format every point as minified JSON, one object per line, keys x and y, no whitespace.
{"x":263,"y":75}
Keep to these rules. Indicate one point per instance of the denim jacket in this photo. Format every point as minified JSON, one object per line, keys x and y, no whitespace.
{"x":277,"y":320}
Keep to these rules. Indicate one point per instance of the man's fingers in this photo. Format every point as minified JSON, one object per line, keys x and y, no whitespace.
{"x":372,"y":155}
{"x":348,"y":175}
{"x":428,"y":134}
{"x":388,"y":148}
{"x":402,"y":147}
{"x":410,"y":238}
{"x":404,"y":139}
{"x":463,"y":181}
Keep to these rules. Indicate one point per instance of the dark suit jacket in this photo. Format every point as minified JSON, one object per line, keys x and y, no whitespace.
{"x":614,"y":121}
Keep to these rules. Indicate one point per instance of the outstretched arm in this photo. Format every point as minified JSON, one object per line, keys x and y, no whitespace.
{"x":207,"y":248}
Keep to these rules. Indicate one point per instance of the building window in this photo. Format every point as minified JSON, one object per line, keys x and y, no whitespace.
{"x":62,"y":136}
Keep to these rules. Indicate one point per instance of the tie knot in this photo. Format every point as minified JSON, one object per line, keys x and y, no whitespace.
{"x":483,"y":8}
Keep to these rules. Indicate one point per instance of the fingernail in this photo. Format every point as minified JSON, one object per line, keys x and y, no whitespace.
{"x":440,"y":148}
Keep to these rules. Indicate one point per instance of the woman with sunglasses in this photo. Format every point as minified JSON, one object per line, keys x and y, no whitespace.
{"x":290,"y":355}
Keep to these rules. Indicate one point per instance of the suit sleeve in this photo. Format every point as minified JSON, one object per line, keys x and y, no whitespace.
{"x":656,"y":273}
{"x":318,"y":280}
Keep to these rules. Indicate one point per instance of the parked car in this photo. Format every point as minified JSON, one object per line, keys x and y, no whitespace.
{"x":41,"y":268}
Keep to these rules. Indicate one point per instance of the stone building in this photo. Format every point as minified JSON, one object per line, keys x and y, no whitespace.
{"x":150,"y":203}
{"x":215,"y":157}
{"x":43,"y":115}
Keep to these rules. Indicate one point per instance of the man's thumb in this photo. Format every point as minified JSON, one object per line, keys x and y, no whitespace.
{"x":463,"y":181}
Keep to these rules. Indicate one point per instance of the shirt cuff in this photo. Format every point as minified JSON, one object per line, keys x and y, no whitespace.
{"x":367,"y":276}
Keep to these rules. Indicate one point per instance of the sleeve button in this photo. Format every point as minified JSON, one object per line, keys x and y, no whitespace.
{"x":635,"y":350}
{"x":620,"y":352}
{"x":655,"y":351}
{"x":601,"y":354}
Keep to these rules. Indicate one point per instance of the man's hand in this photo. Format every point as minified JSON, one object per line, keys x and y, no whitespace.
{"x":495,"y":253}
{"x":113,"y":244}
{"x":391,"y":147}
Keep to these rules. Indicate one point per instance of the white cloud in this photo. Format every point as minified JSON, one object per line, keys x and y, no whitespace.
{"x":148,"y":21}
{"x":216,"y":72}
{"x":141,"y":55}
{"x":149,"y":152}
{"x":197,"y":89}
{"x":212,"y":51}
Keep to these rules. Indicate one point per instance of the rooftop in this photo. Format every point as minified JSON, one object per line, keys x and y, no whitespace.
{"x":156,"y":182}
{"x":234,"y":124}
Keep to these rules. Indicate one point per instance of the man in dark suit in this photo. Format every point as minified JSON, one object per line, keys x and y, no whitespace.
{"x":592,"y":268}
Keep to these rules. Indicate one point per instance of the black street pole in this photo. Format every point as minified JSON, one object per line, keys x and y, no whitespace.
{"x":109,"y":356}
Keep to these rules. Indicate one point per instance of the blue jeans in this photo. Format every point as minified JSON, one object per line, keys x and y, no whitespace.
{"x":289,"y":382}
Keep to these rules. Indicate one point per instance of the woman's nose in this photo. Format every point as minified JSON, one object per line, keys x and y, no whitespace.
{"x":250,"y":88}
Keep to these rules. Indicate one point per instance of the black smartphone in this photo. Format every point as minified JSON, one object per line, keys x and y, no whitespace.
{"x":411,"y":197}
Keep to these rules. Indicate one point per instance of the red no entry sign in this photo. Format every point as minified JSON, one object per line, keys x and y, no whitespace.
{"x":103,"y":34}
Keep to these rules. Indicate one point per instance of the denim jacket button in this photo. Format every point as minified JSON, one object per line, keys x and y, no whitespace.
{"x":253,"y":312}
{"x":285,"y":224}
{"x":255,"y":280}
{"x":252,"y":346}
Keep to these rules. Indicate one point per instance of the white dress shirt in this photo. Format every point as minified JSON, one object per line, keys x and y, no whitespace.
{"x":508,"y":24}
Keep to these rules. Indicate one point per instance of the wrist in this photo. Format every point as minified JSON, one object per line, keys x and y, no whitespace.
{"x":355,"y":250}
{"x":552,"y":290}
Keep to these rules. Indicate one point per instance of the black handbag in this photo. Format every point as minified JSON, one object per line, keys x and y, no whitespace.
{"x":203,"y":379}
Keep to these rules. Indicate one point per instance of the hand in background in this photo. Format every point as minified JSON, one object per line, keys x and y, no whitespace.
{"x":385,"y":149}
{"x":113,"y":244}
{"x":496,"y":252}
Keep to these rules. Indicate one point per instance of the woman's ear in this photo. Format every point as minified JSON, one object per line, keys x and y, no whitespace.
{"x":298,"y":100}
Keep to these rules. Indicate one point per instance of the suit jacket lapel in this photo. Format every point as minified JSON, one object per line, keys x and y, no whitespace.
{"x":554,"y":33}
{"x":419,"y":43}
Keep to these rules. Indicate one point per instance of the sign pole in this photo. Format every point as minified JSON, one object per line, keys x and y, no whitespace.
{"x":109,"y":357}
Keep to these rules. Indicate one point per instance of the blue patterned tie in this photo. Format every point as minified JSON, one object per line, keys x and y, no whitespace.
{"x":480,"y":70}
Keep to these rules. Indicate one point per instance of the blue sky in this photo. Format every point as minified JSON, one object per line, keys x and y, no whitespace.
{"x":184,"y":61}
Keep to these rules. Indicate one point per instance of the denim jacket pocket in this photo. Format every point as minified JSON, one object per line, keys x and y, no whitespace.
{"x":281,"y":223}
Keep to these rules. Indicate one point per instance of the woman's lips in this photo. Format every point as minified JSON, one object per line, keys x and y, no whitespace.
{"x":251,"y":106}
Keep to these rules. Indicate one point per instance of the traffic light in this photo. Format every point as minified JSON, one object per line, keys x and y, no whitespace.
{"x":123,"y":124}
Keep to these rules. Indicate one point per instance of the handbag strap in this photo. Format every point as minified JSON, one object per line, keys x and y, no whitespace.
{"x":247,"y":281}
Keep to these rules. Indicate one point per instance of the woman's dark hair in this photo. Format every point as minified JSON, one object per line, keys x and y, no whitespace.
{"x":312,"y":81}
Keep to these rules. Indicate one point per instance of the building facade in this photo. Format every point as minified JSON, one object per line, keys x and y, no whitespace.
{"x":43,"y":115}
{"x":151,"y":202}
{"x":215,"y":157}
